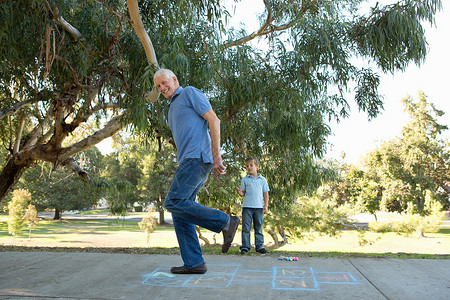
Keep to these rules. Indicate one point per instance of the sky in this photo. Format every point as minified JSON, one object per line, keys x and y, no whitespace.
{"x":356,"y":136}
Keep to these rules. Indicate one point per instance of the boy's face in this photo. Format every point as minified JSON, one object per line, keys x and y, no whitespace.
{"x":252,"y":168}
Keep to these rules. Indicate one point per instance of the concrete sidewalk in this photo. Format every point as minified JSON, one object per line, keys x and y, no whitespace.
{"x":64,"y":275}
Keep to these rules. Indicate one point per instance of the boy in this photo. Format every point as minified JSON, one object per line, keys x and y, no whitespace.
{"x":255,"y":190}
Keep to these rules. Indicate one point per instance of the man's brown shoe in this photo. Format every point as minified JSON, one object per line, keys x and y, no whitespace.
{"x":182,"y":270}
{"x":228,"y":235}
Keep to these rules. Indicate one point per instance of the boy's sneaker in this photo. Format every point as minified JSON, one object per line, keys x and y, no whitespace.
{"x":243,"y":251}
{"x":228,"y":235}
{"x":263,"y":251}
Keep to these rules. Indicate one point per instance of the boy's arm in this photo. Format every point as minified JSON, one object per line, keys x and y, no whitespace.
{"x":266,"y":202}
{"x":240,"y":192}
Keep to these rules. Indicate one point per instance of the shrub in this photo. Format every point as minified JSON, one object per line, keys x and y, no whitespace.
{"x":16,"y":208}
{"x":380,"y":227}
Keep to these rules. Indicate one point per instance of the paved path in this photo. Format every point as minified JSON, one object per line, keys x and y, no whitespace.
{"x":62,"y":275}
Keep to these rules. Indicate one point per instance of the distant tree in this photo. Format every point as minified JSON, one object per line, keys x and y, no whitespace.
{"x":121,"y":176}
{"x":31,"y":218}
{"x":157,"y":169}
{"x":415,"y":164}
{"x":62,"y":190}
{"x":148,"y":225}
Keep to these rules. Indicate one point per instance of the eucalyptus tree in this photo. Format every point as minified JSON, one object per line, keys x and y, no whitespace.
{"x":64,"y":62}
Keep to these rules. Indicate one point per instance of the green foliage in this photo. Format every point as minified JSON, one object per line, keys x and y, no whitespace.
{"x":138,"y":173}
{"x":274,"y":101}
{"x":395,"y":31}
{"x":16,"y":211}
{"x":61,"y":189}
{"x":310,"y":214}
{"x":407,"y":174}
{"x":414,"y":223}
{"x":381,"y":227}
{"x":415,"y":166}
{"x":157,"y":168}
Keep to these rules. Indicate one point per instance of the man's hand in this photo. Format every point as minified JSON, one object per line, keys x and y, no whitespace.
{"x":214,"y":130}
{"x":218,"y":167}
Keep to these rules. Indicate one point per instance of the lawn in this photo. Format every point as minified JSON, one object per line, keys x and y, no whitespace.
{"x":125,"y":234}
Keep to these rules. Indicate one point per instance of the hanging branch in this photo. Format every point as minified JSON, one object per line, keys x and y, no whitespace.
{"x":138,"y":27}
{"x":268,"y":28}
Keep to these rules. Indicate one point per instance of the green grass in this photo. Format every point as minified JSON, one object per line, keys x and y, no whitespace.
{"x":120,"y":236}
{"x":93,"y":212}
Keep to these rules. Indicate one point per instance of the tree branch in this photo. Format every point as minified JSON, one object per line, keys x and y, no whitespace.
{"x":19,"y":135}
{"x":138,"y":27}
{"x":18,"y":106}
{"x":267,"y":27}
{"x":115,"y":125}
{"x":72,"y":165}
{"x":66,"y":25}
{"x":83,"y":118}
{"x":113,"y":11}
{"x":72,"y":70}
{"x":40,"y":128}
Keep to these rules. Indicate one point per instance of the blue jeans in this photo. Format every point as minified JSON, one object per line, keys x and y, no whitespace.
{"x":255,"y":215}
{"x":186,"y":213}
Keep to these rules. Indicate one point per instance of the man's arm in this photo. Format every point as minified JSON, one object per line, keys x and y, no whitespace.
{"x":214,"y":130}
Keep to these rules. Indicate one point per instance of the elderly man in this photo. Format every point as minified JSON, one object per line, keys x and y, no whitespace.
{"x":190,"y":116}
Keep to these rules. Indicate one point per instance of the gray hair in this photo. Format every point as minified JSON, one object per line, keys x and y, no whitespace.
{"x":164,"y":72}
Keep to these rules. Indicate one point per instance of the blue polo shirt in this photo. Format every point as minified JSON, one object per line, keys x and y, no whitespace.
{"x":254,"y":189}
{"x":189,"y":128}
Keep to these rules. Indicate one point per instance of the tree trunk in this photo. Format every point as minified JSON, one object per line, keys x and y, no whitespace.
{"x":58,"y":215}
{"x":161,"y":217}
{"x":274,"y":236}
{"x":200,"y":236}
{"x":283,"y":235}
{"x":10,"y":175}
{"x":143,"y":36}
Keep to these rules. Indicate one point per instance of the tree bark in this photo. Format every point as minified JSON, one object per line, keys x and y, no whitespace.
{"x":161,"y":217}
{"x":200,"y":236}
{"x":146,"y":42}
{"x":58,"y":215}
{"x":10,"y":175}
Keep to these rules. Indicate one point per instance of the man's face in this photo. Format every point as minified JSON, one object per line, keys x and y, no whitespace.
{"x":167,"y":86}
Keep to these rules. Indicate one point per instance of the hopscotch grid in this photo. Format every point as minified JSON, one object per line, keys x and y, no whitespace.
{"x":233,"y":274}
{"x":353,"y":279}
{"x":192,"y":278}
{"x":277,"y":278}
{"x":316,"y":283}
